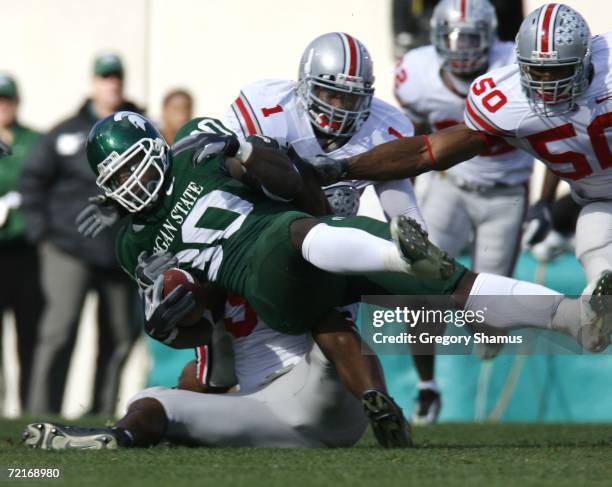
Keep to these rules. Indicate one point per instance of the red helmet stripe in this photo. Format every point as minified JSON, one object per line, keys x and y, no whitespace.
{"x":463,"y":9}
{"x":548,"y":28}
{"x":352,"y":55}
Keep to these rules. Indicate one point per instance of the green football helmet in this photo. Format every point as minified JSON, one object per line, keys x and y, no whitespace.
{"x":129,"y":157}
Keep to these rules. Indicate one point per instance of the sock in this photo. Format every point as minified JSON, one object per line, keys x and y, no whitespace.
{"x":511,"y":303}
{"x":345,"y":250}
{"x":124,"y":437}
{"x":429,"y":385}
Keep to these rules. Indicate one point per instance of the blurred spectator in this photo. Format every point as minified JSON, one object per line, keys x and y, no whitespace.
{"x":177,"y":110}
{"x":411,"y":22}
{"x":56,"y":184}
{"x":20,"y":289}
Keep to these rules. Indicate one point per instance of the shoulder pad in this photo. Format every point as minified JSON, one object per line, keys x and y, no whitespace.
{"x":390,"y":120}
{"x":494,"y":105}
{"x":411,"y":80}
{"x":202,"y":124}
{"x":259,"y":108}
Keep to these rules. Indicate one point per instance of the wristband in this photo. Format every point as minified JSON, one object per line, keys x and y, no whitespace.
{"x":244,"y":151}
{"x":429,"y":151}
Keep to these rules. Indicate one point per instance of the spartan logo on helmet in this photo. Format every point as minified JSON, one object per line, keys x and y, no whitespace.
{"x":135,"y":119}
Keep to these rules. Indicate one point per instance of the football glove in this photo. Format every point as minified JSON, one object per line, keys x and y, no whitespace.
{"x":150,"y":268}
{"x":8,"y":202}
{"x":99,"y":215}
{"x":211,"y":145}
{"x":327,"y":169}
{"x":263,"y":141}
{"x":538,"y":223}
{"x":163,"y":315}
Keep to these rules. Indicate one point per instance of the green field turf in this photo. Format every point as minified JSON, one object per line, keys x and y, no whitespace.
{"x":446,"y":455}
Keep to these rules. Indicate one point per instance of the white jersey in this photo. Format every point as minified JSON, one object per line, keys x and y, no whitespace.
{"x":575,"y":146}
{"x":422,"y":92}
{"x":273,"y":108}
{"x":259,"y":351}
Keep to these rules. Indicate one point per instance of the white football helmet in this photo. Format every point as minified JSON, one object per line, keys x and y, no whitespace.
{"x":336,"y":65}
{"x":463,"y":33}
{"x":554,"y":39}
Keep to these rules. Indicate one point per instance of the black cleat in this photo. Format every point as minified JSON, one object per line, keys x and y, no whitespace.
{"x":422,"y":257}
{"x":47,"y":436}
{"x":427,"y":407}
{"x":387,"y":419}
{"x":596,"y":314}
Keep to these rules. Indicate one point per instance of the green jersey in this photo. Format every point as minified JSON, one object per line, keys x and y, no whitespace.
{"x":241,"y":239}
{"x":208,"y":219}
{"x":10,"y":171}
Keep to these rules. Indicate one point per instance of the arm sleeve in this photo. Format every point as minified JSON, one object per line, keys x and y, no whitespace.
{"x":397,"y":198}
{"x":38,"y":175}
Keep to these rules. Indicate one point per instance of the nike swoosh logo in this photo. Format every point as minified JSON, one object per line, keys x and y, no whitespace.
{"x":169,"y":190}
{"x":602,"y":99}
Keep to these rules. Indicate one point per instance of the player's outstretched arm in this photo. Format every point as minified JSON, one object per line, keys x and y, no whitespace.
{"x":411,"y":156}
{"x":404,"y":158}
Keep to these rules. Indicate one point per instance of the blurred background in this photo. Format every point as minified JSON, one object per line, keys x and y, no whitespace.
{"x":210,"y":49}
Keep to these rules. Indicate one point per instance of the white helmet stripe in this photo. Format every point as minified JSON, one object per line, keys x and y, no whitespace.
{"x":352,"y":64}
{"x":346,"y":51}
{"x":546,"y":27}
{"x":357,"y":55}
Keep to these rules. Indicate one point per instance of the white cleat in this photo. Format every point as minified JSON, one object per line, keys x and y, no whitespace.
{"x":427,"y":408}
{"x":47,"y":436}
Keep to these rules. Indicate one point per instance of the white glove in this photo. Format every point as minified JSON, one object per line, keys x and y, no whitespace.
{"x":8,"y":202}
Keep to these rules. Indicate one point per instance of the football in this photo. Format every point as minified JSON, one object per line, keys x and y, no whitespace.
{"x":176,"y":277}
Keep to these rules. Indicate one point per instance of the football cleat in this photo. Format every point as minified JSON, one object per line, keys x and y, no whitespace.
{"x":596,"y":314}
{"x":427,"y":407}
{"x":387,"y":419}
{"x":48,"y":436}
{"x":424,"y":259}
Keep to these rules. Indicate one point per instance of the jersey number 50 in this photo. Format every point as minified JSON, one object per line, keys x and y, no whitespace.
{"x":493,"y":100}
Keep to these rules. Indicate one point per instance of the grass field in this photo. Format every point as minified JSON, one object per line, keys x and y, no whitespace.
{"x":446,"y":455}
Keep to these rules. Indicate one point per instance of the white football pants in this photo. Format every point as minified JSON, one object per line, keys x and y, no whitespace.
{"x":594,"y":238}
{"x":493,"y":217}
{"x":306,"y":407}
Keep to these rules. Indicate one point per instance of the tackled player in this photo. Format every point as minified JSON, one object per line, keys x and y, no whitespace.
{"x":292,"y":268}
